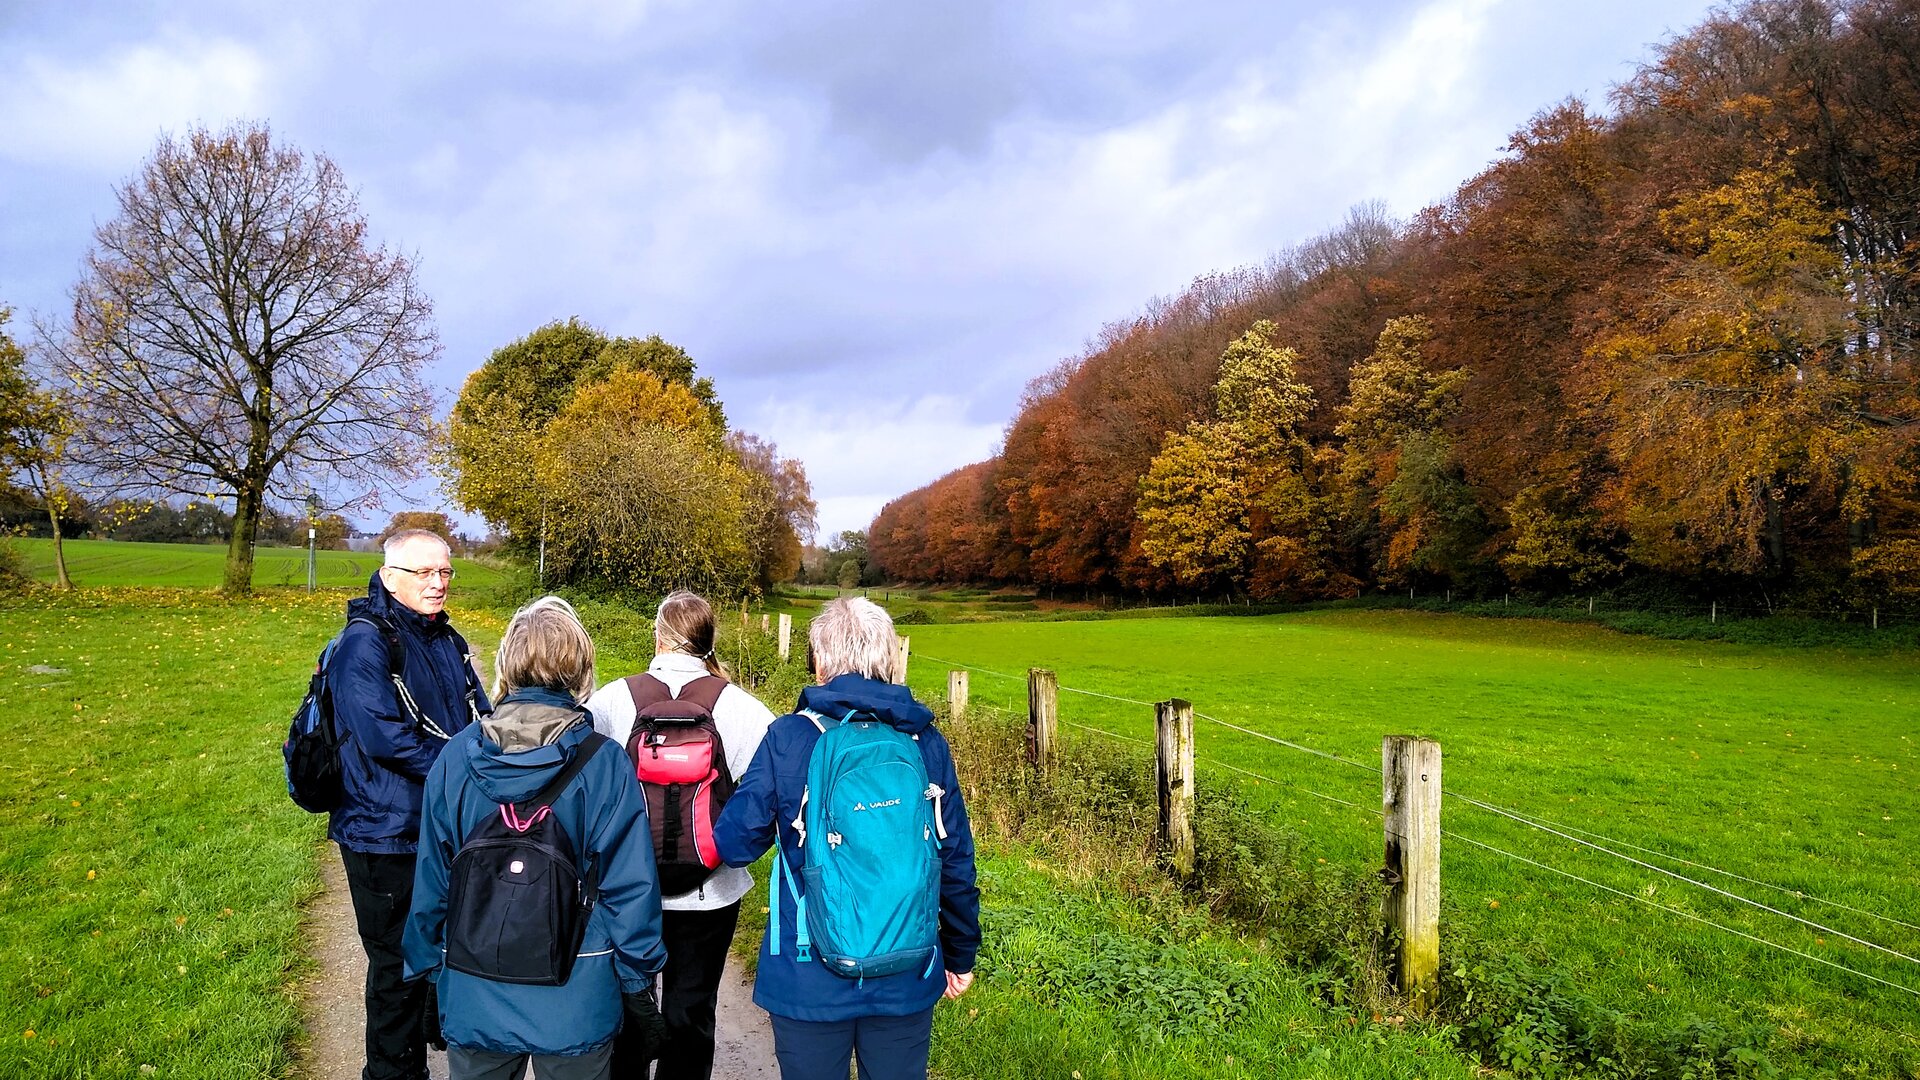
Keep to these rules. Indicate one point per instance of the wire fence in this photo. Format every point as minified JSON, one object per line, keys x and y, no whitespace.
{"x":1581,"y":838}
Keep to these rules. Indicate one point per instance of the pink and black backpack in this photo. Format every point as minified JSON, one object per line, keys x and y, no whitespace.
{"x":682,"y":766}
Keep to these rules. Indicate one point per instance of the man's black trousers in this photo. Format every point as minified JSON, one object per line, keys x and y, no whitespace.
{"x":697,"y":944}
{"x":382,"y":889}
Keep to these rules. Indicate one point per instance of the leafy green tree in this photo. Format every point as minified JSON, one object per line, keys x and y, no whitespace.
{"x":489,"y":457}
{"x":1409,"y":502}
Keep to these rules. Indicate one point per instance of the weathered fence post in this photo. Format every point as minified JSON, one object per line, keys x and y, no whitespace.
{"x":1713,"y":613}
{"x":903,"y":651}
{"x":1410,"y":796}
{"x":743,"y":614}
{"x":1173,"y":776}
{"x":1589,"y":605}
{"x":1876,"y":617}
{"x":786,"y":637}
{"x":956,"y":694}
{"x":765,"y":622}
{"x":1043,"y":714}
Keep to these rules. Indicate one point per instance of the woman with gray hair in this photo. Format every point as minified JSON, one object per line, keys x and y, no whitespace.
{"x":537,"y":757}
{"x":836,"y":789}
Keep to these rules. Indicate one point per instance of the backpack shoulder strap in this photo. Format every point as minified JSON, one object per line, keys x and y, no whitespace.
{"x":646,"y":690}
{"x":704,"y":691}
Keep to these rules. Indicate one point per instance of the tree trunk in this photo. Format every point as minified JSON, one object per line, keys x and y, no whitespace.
{"x":61,"y":580}
{"x":1776,"y":531}
{"x":246,"y":522}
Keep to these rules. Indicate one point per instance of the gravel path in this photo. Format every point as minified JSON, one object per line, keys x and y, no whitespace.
{"x":334,"y":1017}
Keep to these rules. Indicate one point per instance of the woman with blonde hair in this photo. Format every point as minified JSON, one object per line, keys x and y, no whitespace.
{"x":509,"y":989}
{"x":690,"y":733}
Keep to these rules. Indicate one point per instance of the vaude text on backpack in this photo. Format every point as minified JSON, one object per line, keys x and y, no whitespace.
{"x":870,"y":834}
{"x":517,"y":902}
{"x":681,"y":763}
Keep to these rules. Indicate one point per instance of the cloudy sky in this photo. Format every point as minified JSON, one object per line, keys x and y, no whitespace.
{"x":871,"y":223}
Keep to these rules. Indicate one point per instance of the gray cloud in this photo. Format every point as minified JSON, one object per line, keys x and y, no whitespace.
{"x":856,"y":214}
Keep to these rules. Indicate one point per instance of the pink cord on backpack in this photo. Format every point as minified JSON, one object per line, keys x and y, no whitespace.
{"x":514,"y":821}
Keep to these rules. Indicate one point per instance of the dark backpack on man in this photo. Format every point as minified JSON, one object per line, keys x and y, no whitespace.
{"x":311,"y":751}
{"x":517,"y":902}
{"x":681,"y":763}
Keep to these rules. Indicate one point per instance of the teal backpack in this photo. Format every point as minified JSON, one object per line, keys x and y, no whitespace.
{"x":870,"y":833}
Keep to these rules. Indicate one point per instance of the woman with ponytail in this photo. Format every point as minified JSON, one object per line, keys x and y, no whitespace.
{"x":686,"y":679}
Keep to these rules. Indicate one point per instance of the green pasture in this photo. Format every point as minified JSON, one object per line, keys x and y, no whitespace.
{"x":153,"y":874}
{"x":1796,"y":768}
{"x":93,"y":563}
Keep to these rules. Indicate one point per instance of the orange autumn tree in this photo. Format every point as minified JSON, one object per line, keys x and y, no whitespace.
{"x":1735,"y":394}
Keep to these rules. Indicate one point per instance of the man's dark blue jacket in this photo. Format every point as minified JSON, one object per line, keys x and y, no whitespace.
{"x":763,"y":808}
{"x":384,"y":759}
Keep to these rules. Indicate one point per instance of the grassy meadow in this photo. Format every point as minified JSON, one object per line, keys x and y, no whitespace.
{"x":95,"y":563}
{"x":1790,"y":767}
{"x":152,"y":871}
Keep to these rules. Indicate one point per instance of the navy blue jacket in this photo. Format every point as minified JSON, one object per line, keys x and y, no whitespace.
{"x":765,"y":805}
{"x":604,"y":814}
{"x":384,"y":759}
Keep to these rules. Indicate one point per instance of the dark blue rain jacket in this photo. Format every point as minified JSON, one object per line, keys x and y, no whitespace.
{"x":604,"y":814}
{"x":765,"y":805}
{"x":384,"y":758}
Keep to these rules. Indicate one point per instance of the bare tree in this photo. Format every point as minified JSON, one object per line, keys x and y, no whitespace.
{"x":234,"y":335}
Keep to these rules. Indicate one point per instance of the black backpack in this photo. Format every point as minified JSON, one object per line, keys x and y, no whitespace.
{"x":517,"y":903}
{"x":681,"y":764}
{"x":311,"y":751}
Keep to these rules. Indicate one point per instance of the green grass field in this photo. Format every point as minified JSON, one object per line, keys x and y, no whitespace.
{"x":152,"y":876}
{"x":1792,"y":767}
{"x":94,"y":563}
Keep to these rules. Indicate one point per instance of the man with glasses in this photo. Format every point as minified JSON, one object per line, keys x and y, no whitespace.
{"x":403,"y":682}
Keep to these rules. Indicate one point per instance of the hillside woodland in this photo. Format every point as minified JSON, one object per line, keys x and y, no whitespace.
{"x":1671,"y":347}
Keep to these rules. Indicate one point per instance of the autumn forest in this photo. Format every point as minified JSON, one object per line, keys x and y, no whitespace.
{"x":1669,"y":348}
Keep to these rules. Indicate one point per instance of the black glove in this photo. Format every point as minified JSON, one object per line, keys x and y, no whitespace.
{"x":430,"y":1019}
{"x":648,"y":1026}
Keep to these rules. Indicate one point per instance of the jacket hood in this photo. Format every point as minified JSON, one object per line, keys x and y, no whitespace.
{"x":857,"y":693}
{"x":530,"y":717}
{"x":514,"y":776}
{"x":380,"y":604}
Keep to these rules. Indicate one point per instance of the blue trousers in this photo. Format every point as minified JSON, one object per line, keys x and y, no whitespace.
{"x":889,"y":1047}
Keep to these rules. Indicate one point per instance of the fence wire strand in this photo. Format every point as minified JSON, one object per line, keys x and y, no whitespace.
{"x":1795,"y":893}
{"x":1677,"y":911}
{"x":1677,"y":876}
{"x":1540,"y":824}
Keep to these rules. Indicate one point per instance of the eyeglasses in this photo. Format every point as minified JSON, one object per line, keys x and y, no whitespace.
{"x":443,"y":573}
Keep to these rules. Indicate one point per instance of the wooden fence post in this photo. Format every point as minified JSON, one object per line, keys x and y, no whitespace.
{"x":1043,"y":714}
{"x":956,"y":694}
{"x":1410,"y":795}
{"x":1173,"y":776}
{"x":903,"y":651}
{"x":743,"y":614}
{"x":786,"y":637}
{"x":765,"y":622}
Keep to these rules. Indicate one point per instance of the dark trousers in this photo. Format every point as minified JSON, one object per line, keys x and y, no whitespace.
{"x":696,"y":944}
{"x":464,"y":1064}
{"x":890,"y":1047}
{"x":382,"y":890}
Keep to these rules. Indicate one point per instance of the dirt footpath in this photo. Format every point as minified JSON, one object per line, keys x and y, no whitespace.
{"x":334,"y":1013}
